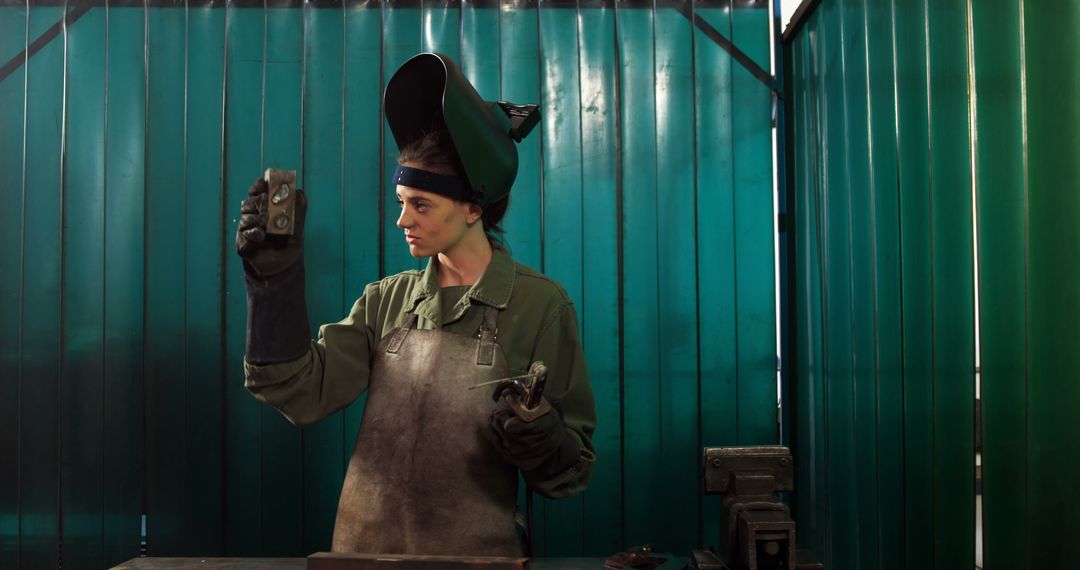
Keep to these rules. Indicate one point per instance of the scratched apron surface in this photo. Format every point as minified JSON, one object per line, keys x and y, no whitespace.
{"x":423,"y":478}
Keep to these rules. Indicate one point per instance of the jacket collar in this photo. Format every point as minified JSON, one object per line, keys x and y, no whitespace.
{"x":493,"y":288}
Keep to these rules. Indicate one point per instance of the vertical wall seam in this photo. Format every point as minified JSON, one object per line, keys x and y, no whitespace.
{"x":540,"y":144}
{"x":186,"y":505}
{"x":871,"y":171}
{"x":104,"y":281}
{"x":1027,"y":284}
{"x":147,"y":388}
{"x":853,"y":357}
{"x":223,"y":223}
{"x":734,"y":234}
{"x":581,"y":211}
{"x":343,"y":202}
{"x":656,"y":233}
{"x":22,"y":286}
{"x":262,"y":164}
{"x":824,"y":236}
{"x":61,"y":357}
{"x":933,"y":301}
{"x":620,"y":262}
{"x":382,"y":138}
{"x":344,"y":185}
{"x":697,"y":253}
{"x":304,"y":16}
{"x":973,"y":138}
{"x":900,"y":267}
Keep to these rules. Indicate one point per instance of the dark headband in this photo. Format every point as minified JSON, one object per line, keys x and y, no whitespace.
{"x":450,"y":186}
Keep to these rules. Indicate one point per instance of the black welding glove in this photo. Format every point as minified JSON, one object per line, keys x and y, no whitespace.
{"x":277,"y":325}
{"x":265,"y":254}
{"x":543,"y":446}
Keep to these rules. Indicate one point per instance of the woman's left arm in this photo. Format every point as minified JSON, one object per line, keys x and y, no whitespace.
{"x":570,"y":392}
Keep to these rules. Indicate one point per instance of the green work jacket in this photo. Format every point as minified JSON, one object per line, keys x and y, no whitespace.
{"x":536,"y":321}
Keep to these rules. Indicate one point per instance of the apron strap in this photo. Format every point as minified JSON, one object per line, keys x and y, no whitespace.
{"x":402,"y":332}
{"x":488,"y":334}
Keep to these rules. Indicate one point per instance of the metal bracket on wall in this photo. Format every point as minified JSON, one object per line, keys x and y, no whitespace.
{"x":43,"y":40}
{"x":737,"y":54}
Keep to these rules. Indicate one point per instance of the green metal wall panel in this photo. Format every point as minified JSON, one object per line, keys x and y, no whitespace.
{"x":676,"y":263}
{"x":640,"y":188}
{"x":641,"y":368}
{"x":323,"y":83}
{"x":519,"y":76}
{"x":125,"y":171}
{"x":957,"y":104}
{"x":953,"y":314}
{"x":42,"y":260}
{"x":203,"y":248}
{"x":401,"y":40}
{"x":1003,"y":289}
{"x":245,"y":52}
{"x":885,"y":250}
{"x":599,"y":310}
{"x":282,"y":459}
{"x":563,"y":260}
{"x":863,"y":389}
{"x":360,"y":156}
{"x":13,"y":99}
{"x":82,"y":407}
{"x":1053,"y":248}
{"x":715,"y":205}
{"x":753,"y":230}
{"x":168,"y":495}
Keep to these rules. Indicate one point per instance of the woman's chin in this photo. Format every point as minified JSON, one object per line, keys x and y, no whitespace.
{"x":418,"y":252}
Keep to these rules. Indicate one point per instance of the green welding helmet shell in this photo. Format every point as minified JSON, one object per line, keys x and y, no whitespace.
{"x":430,"y":92}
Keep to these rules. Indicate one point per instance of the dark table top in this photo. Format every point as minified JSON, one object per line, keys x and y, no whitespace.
{"x":301,"y":563}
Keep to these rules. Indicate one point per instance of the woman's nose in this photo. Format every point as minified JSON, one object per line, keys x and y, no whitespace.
{"x":403,"y":220}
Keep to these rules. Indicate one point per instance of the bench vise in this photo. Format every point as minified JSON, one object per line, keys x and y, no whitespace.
{"x":757,"y":532}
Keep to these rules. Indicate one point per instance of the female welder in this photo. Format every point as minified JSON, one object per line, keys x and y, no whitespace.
{"x":435,"y":466}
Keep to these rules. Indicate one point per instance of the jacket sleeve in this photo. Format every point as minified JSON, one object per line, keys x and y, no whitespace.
{"x":333,"y":373}
{"x":569,"y":391}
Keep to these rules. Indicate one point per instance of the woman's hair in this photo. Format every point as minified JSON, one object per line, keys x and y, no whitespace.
{"x":436,"y":152}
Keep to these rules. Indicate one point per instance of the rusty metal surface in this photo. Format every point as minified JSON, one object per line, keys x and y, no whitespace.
{"x":346,"y":561}
{"x":302,"y":563}
{"x":212,"y":563}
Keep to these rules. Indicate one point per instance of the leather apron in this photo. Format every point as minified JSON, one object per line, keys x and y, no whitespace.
{"x":423,"y":478}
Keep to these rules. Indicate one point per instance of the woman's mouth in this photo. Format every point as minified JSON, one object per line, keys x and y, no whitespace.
{"x":411,"y":239}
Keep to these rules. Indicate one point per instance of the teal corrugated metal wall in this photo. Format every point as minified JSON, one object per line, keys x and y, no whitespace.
{"x":920,"y":134}
{"x":128,"y":138}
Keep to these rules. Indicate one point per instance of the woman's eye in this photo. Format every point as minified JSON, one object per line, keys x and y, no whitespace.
{"x":421,"y":207}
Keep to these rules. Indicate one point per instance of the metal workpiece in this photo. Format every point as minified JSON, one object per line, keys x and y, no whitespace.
{"x":524,"y":393}
{"x":281,"y":186}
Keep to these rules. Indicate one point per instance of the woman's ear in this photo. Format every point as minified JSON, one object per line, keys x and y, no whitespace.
{"x":473,"y":213}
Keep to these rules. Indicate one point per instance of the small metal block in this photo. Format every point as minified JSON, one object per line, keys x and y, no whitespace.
{"x":280,"y":184}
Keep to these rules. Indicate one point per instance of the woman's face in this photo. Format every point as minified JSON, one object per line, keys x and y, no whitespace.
{"x":433,"y":223}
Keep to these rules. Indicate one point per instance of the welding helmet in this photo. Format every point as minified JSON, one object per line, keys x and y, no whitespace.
{"x":429,"y":92}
